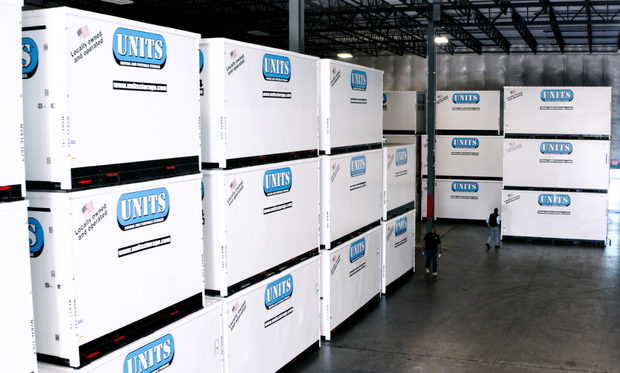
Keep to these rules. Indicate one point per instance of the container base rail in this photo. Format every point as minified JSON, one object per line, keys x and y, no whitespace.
{"x":299,"y":358}
{"x":401,"y":210}
{"x":555,"y":136}
{"x":357,"y":315}
{"x":549,"y":240}
{"x":468,"y":132}
{"x":352,"y":235}
{"x":546,"y":189}
{"x":353,"y":148}
{"x":263,"y":159}
{"x":265,"y":274}
{"x":11,"y":193}
{"x":401,"y":132}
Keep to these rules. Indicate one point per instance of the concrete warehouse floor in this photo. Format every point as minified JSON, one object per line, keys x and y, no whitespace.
{"x":533,"y":308}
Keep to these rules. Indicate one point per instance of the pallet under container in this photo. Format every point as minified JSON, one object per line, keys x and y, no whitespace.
{"x":350,"y":111}
{"x":557,"y":163}
{"x":112,"y":265}
{"x":12,"y":174}
{"x":399,"y":179}
{"x":192,"y":344}
{"x":17,"y":321}
{"x":101,"y":95}
{"x":582,"y":111}
{"x":397,"y":248}
{"x":258,"y":221}
{"x":463,"y":198}
{"x":350,"y":278}
{"x":468,"y":111}
{"x":404,"y":112}
{"x":256,"y":102}
{"x":351,"y":195}
{"x":465,"y":156}
{"x":560,"y":216}
{"x":271,"y":323}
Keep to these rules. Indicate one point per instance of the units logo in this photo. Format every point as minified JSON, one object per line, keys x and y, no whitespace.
{"x":277,"y":181}
{"x":466,"y":98}
{"x":276,"y":68}
{"x":556,"y":148}
{"x":465,"y":186}
{"x":357,"y":250}
{"x":401,"y":226}
{"x":384,"y":98}
{"x":278,"y":291}
{"x":359,"y":80}
{"x":30,"y":58}
{"x":401,"y":157}
{"x":463,"y":142}
{"x":201,"y":61}
{"x":153,"y":357}
{"x":562,"y":200}
{"x":139,"y":49}
{"x":35,"y":236}
{"x":139,"y":209}
{"x":557,"y":95}
{"x":358,"y":166}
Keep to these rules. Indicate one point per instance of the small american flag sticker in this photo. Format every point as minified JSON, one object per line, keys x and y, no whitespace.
{"x":88,"y":208}
{"x":334,"y":71}
{"x":83,"y":33}
{"x":233,"y":185}
{"x":235,"y":308}
{"x":513,"y":92}
{"x":233,"y":54}
{"x":510,"y":195}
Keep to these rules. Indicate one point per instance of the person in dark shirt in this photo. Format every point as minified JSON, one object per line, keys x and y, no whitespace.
{"x":493,"y":224}
{"x":430,"y":244}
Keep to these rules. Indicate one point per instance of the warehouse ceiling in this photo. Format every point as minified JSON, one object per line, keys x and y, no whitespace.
{"x":377,"y":27}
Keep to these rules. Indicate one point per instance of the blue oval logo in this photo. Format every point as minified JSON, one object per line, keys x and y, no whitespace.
{"x":556,"y":148}
{"x":139,"y":49}
{"x":401,"y":226}
{"x":465,"y":186}
{"x":153,"y":357}
{"x":139,"y":209}
{"x":465,"y":142}
{"x":277,"y":181}
{"x":357,"y":250}
{"x":384,"y":98}
{"x":557,"y":95}
{"x":554,"y":200}
{"x":201,"y":61}
{"x":30,"y":58}
{"x":278,"y":291}
{"x":276,"y":68}
{"x":358,"y":166}
{"x":202,"y":190}
{"x":401,"y":157}
{"x":466,"y":98}
{"x":35,"y":237}
{"x":359,"y":80}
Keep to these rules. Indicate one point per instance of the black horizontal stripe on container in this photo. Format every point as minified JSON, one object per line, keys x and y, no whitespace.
{"x":401,"y":210}
{"x":355,"y":148}
{"x":39,"y":209}
{"x":340,"y":240}
{"x":548,"y":189}
{"x":34,"y":28}
{"x":12,"y":193}
{"x":481,"y":178}
{"x":549,"y":240}
{"x":234,"y":163}
{"x":469,"y":132}
{"x":555,"y":136}
{"x":399,"y":132}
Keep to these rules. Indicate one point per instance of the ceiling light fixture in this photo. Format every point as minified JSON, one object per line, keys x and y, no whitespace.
{"x":345,"y":55}
{"x":441,"y":40}
{"x":119,"y":2}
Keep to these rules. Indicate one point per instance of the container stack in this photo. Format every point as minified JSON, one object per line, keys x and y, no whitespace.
{"x":468,"y":153}
{"x":259,"y":110}
{"x":556,"y":163}
{"x":17,"y":322}
{"x":351,"y":189}
{"x":398,"y":215}
{"x":114,"y":216}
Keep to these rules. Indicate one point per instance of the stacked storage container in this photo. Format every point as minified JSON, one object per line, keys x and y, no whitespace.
{"x":351,"y":178}
{"x":468,"y":153}
{"x":556,"y":163}
{"x":259,"y":111}
{"x":17,"y":322}
{"x":114,"y":195}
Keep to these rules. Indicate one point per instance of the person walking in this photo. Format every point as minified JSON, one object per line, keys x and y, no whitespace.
{"x":493,"y":224}
{"x":430,"y":244}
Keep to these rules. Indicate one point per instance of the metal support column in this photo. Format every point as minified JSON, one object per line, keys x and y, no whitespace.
{"x":296,"y":25}
{"x":431,"y":96}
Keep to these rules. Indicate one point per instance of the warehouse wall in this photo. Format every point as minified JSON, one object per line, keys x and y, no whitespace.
{"x":493,"y":72}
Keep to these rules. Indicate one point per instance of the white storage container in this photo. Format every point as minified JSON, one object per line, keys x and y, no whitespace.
{"x":557,"y":110}
{"x":571,"y":164}
{"x":397,"y":248}
{"x":463,"y":199}
{"x":404,"y":112}
{"x":256,"y":101}
{"x":192,"y":344}
{"x":12,"y":174}
{"x":350,"y":277}
{"x":465,"y":156}
{"x":17,"y":322}
{"x":399,"y":161}
{"x":107,"y":100}
{"x":257,"y":218}
{"x":561,"y":215}
{"x":468,"y":111}
{"x":270,"y":323}
{"x":110,"y":265}
{"x":351,"y":194}
{"x":350,"y":105}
